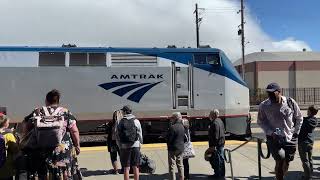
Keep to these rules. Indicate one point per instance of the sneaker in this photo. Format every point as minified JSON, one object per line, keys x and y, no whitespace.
{"x":112,"y":171}
{"x":116,"y":172}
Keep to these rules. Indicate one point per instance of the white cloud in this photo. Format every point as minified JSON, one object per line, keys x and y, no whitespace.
{"x":136,"y":23}
{"x":290,"y":44}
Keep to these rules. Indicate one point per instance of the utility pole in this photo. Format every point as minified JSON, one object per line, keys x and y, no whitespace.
{"x":197,"y":24}
{"x":242,"y":39}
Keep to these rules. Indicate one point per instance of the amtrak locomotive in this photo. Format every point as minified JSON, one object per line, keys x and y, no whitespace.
{"x":154,"y":81}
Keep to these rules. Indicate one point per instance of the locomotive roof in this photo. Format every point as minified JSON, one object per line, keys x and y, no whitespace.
{"x":106,"y":49}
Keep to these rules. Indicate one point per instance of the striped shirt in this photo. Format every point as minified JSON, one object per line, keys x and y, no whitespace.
{"x":280,"y":115}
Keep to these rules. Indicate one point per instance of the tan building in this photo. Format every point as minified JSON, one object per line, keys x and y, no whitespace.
{"x":296,"y":72}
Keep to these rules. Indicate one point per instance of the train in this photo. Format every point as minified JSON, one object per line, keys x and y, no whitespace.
{"x":155,"y":82}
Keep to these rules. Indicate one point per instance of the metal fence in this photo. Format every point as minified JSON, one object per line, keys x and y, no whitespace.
{"x":303,"y":96}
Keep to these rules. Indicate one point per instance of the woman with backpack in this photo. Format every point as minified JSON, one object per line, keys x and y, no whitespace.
{"x":111,"y":140}
{"x":54,"y":149}
{"x":8,"y":149}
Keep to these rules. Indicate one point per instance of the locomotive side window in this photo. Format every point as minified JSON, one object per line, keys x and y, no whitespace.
{"x":87,"y":59}
{"x":200,"y":59}
{"x":51,"y":59}
{"x":213,"y":59}
{"x":97,"y":59}
{"x":78,"y":59}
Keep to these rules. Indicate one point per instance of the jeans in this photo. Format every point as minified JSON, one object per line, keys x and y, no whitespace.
{"x":175,"y":157}
{"x":305,"y":152}
{"x":217,"y":162}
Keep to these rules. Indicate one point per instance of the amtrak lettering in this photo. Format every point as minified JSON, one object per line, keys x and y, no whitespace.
{"x":137,"y":76}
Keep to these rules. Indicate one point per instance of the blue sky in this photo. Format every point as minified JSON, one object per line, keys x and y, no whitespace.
{"x":289,"y":18}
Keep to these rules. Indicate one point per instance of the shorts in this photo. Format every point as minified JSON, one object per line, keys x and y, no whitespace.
{"x":275,"y":149}
{"x":130,"y":157}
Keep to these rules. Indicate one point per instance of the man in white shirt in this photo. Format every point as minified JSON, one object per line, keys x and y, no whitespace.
{"x":281,"y":120}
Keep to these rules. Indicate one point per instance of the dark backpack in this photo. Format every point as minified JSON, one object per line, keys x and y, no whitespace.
{"x":128,"y":132}
{"x":3,"y":150}
{"x":147,"y":165}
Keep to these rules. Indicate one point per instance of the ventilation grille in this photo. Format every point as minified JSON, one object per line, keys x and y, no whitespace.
{"x":132,"y":59}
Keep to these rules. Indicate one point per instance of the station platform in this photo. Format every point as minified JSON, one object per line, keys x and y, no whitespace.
{"x":95,"y":162}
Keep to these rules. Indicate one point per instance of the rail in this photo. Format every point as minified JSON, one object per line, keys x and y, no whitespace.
{"x":228,"y":154}
{"x":303,"y":96}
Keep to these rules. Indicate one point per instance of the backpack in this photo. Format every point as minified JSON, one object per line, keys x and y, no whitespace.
{"x":128,"y":132}
{"x":147,"y":165}
{"x":291,"y":106}
{"x":49,"y":128}
{"x":3,"y":150}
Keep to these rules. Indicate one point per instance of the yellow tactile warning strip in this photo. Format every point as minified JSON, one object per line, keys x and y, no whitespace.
{"x":163,"y":145}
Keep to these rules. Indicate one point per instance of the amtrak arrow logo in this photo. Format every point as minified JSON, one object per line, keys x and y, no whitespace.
{"x":124,"y":87}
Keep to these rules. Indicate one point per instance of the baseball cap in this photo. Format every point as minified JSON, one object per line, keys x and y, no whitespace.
{"x":272,"y":87}
{"x":127,"y":108}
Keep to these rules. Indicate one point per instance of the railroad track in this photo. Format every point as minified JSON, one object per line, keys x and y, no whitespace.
{"x":87,"y":140}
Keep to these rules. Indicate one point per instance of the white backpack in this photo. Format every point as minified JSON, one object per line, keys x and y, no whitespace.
{"x":49,"y":128}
